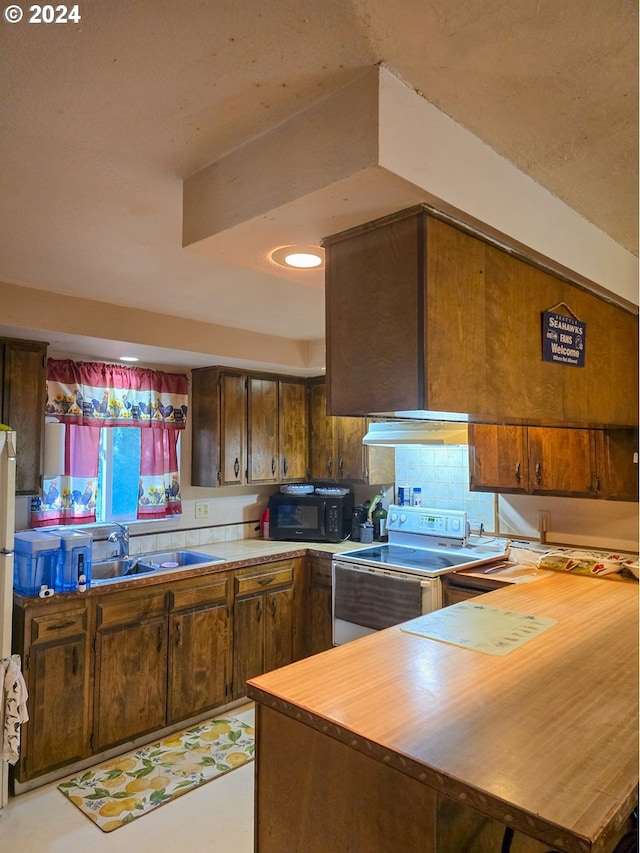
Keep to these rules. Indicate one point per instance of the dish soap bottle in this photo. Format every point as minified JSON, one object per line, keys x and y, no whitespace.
{"x":379,"y":519}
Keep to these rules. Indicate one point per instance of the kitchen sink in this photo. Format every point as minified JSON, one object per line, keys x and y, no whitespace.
{"x":125,"y":568}
{"x":128,"y":567}
{"x":176,"y":559}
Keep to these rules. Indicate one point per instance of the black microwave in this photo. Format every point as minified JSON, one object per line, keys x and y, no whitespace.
{"x":310,"y":518}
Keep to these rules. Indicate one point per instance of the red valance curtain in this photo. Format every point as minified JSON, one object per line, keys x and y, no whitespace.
{"x":95,"y":394}
{"x":88,"y":396}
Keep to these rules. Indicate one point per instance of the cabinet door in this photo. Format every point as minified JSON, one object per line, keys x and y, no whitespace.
{"x":319,"y":630}
{"x":293,"y":420}
{"x":350,"y":449}
{"x":23,"y":405}
{"x":233,"y":429}
{"x":57,"y":674}
{"x":561,"y":462}
{"x":279,"y":628}
{"x":498,"y":459}
{"x":323,"y":439}
{"x":130,"y":697}
{"x":198,"y":659}
{"x":262,"y":430}
{"x":617,"y":464}
{"x":248,"y":641}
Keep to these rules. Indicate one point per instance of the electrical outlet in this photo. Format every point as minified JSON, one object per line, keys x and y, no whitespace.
{"x":544,"y":520}
{"x":202,"y":509}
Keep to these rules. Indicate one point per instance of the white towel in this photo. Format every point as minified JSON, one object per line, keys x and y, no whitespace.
{"x":15,"y":708}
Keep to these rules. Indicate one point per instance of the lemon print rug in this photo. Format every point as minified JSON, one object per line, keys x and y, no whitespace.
{"x":119,"y":791}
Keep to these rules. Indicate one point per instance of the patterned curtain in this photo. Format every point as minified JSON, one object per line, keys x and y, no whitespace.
{"x":88,"y":396}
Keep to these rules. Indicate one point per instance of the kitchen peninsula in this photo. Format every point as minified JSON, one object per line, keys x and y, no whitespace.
{"x":374,"y":745}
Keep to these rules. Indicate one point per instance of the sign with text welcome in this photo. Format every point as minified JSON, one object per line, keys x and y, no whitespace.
{"x":563,"y":339}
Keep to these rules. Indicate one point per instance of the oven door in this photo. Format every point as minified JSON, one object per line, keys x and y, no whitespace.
{"x":367,"y":600}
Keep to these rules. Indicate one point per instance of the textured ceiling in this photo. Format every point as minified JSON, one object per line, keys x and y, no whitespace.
{"x":102,"y":121}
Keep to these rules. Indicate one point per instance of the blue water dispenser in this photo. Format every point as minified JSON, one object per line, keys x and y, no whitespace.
{"x":35,"y":561}
{"x":73,"y":571}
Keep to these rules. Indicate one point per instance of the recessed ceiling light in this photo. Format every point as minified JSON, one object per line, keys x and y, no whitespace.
{"x":129,"y":358}
{"x":298,"y":257}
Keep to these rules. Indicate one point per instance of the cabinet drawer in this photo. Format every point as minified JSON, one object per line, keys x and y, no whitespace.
{"x":257,"y":580}
{"x":210,"y":590}
{"x":53,"y":625}
{"x":127,"y":609}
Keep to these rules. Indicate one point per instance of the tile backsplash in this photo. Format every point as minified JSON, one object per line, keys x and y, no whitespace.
{"x":442,"y":472}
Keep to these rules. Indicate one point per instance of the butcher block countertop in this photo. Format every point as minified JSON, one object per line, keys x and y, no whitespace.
{"x":544,"y":739}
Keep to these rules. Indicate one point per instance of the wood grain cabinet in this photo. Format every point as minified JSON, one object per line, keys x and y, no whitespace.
{"x":130,"y":697}
{"x":22,"y":404}
{"x":247,"y":428}
{"x":423,"y":313}
{"x":264,"y":620}
{"x":199,"y":646}
{"x":336,"y":449}
{"x":54,"y":642}
{"x":319,"y":626}
{"x":553,"y":461}
{"x":458,"y":587}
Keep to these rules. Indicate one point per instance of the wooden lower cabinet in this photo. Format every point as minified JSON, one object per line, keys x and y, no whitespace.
{"x":264,"y":620}
{"x":118,"y":666}
{"x":319,"y":626}
{"x":460,"y":587}
{"x":131,"y":666}
{"x":199,"y":646}
{"x":54,"y":645}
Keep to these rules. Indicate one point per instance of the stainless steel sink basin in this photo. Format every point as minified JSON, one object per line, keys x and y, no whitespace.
{"x":177,"y":559}
{"x":155,"y":561}
{"x":117,"y":569}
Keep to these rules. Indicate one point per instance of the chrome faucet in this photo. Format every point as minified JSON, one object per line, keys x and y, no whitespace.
{"x":121,"y":536}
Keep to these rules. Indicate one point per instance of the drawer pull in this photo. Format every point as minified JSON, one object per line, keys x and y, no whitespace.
{"x":236,"y":467}
{"x":266,"y":580}
{"x":60,"y":626}
{"x":74,"y":661}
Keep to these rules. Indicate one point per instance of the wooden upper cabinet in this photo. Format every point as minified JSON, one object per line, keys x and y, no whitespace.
{"x":22,"y":404}
{"x":233,"y":429}
{"x":561,"y":462}
{"x":421,"y":314}
{"x":262,"y":450}
{"x":554,"y":461}
{"x":498,"y":459}
{"x":293,"y":429}
{"x":322,"y":435}
{"x":617,"y":464}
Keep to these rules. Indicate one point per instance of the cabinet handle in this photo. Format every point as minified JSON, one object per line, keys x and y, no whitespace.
{"x":273,"y":607}
{"x":259,"y":610}
{"x":517,"y":472}
{"x":597,"y":485}
{"x":236,"y":467}
{"x":265,"y":580}
{"x":340,"y":465}
{"x":159,"y":638}
{"x":273,"y":465}
{"x":330,"y":465}
{"x":538,"y":472}
{"x":60,"y":626}
{"x":285,"y":466}
{"x":178,"y":633}
{"x":74,"y":661}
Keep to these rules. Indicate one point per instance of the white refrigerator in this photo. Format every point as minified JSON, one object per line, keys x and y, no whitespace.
{"x":7,"y":528}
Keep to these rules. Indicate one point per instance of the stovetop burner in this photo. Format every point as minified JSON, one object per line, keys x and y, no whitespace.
{"x":429,"y":542}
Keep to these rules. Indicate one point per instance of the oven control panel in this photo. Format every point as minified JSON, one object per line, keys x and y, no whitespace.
{"x":431,"y":522}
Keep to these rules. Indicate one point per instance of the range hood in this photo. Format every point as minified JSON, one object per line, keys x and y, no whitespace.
{"x":392,"y":433}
